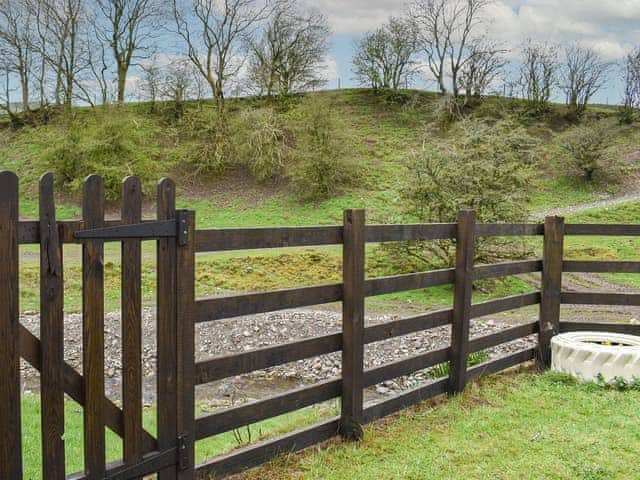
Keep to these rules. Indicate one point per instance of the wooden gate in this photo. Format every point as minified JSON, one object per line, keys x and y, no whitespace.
{"x":166,"y":453}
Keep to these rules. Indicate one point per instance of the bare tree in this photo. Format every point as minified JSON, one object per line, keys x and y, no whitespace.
{"x":538,"y":74}
{"x":446,"y":30}
{"x":486,"y":63}
{"x":216,"y":34}
{"x":631,"y":101}
{"x":177,"y":85}
{"x":583,"y":74}
{"x":384,"y":58}
{"x":61,"y":25}
{"x":128,"y":26}
{"x":288,"y":56}
{"x":151,"y":81}
{"x":15,"y":42}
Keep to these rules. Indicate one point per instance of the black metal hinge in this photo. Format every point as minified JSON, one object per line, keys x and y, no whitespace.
{"x":178,"y":228}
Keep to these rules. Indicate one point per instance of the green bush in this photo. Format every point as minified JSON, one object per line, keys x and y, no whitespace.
{"x":113,"y":148}
{"x":586,"y":148}
{"x":262,"y":143}
{"x":481,"y":167}
{"x":322,"y":169}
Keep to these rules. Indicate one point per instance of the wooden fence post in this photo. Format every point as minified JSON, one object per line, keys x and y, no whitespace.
{"x":10,"y":421}
{"x":353,"y":325}
{"x":51,"y":335}
{"x":185,"y":338}
{"x":93,"y":330}
{"x":167,"y":328}
{"x":465,"y":250}
{"x":131,"y":285}
{"x":551,"y":286}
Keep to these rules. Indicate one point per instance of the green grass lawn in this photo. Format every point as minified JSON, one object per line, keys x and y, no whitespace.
{"x":506,"y":427}
{"x":205,"y":449}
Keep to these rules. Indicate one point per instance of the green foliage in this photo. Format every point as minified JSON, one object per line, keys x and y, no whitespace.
{"x":262,"y":143}
{"x":442,"y":370}
{"x":322,"y":169}
{"x":486,"y":168}
{"x":626,"y":115}
{"x":113,"y":149}
{"x":619,"y":383}
{"x":586,"y":148}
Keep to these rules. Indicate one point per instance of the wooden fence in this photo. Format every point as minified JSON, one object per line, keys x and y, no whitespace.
{"x":171,"y":452}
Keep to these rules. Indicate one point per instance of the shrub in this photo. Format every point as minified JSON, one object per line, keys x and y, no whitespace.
{"x":113,"y":150}
{"x":587,"y":151}
{"x":486,"y":168}
{"x":261,"y":143}
{"x":321,"y":170}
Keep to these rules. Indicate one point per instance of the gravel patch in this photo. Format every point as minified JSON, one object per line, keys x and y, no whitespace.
{"x":258,"y":331}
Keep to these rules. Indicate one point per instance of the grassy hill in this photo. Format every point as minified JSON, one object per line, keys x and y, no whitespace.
{"x":376,"y":135}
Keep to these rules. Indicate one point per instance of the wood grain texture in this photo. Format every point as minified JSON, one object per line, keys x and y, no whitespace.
{"x":464,"y":271}
{"x":51,"y":335}
{"x":10,"y":423}
{"x":131,"y":297}
{"x":353,"y":325}
{"x":93,"y":331}
{"x":185,"y":338}
{"x":167,"y":327}
{"x":551,"y":291}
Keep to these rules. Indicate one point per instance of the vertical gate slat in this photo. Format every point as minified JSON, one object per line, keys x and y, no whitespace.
{"x":93,"y":330}
{"x":186,"y":339}
{"x":132,"y":324}
{"x":166,"y":327}
{"x":353,"y":325}
{"x":51,"y":336}
{"x":10,"y":424}
{"x":465,"y":247}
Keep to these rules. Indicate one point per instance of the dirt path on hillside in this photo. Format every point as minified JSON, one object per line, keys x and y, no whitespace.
{"x":606,"y":202}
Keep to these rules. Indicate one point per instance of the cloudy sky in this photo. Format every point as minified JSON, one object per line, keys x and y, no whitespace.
{"x":610,"y":26}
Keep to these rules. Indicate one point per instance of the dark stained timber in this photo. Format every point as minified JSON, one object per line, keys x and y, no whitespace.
{"x":588,"y":298}
{"x":185,"y":338}
{"x":93,"y":331}
{"x":603,"y":230}
{"x":206,"y":310}
{"x":240,"y":363}
{"x":506,"y":269}
{"x":420,"y":394}
{"x":353,"y":273}
{"x":10,"y":428}
{"x":258,"y":238}
{"x":167,"y":388}
{"x":501,"y":363}
{"x":225,"y":420}
{"x":131,"y":334}
{"x":411,"y":281}
{"x":503,"y":336}
{"x":601,"y":267}
{"x":463,"y":289}
{"x":30,"y":350}
{"x":508,"y":230}
{"x":553,"y":248}
{"x":402,"y":233}
{"x":406,"y":326}
{"x":405,"y":367}
{"x":504,"y":304}
{"x":254,"y":455}
{"x":51,"y":334}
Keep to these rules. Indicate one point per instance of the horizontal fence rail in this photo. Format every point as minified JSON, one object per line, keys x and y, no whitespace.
{"x":170,"y":453}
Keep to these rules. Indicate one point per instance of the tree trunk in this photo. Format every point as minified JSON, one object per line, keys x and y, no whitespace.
{"x":122,"y":83}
